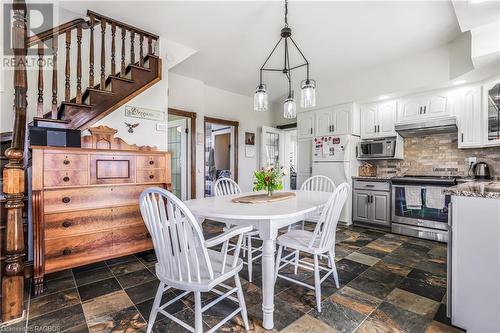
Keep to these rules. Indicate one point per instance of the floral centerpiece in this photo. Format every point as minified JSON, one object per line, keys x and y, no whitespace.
{"x":269,"y":179}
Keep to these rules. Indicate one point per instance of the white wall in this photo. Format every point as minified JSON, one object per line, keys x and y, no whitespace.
{"x":193,"y":95}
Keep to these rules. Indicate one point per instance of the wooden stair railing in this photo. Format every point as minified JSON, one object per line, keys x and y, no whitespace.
{"x":87,"y":106}
{"x":81,"y":111}
{"x":13,"y":177}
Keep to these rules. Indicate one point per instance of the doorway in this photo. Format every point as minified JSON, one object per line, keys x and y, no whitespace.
{"x":279,"y":147}
{"x":221,"y":151}
{"x":182,"y":145}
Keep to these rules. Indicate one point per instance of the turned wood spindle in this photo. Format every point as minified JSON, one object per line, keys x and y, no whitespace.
{"x":103,"y":54}
{"x":132,"y":51}
{"x":122,"y":71}
{"x":91,"y":46}
{"x":79,"y":64}
{"x":67,"y":71}
{"x":113,"y":46}
{"x":150,"y":45}
{"x":55,"y":45}
{"x":39,"y":107}
{"x":141,"y":52}
{"x":14,"y":179}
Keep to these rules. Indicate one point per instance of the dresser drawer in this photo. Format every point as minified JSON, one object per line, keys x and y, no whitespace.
{"x":132,"y":239}
{"x":53,"y":178}
{"x":91,"y":198}
{"x":57,"y":161}
{"x":67,"y":252}
{"x":150,"y":162}
{"x":151,"y":176}
{"x":74,"y":223}
{"x":112,"y":169}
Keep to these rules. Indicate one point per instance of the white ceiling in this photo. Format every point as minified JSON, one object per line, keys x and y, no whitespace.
{"x":233,"y":38}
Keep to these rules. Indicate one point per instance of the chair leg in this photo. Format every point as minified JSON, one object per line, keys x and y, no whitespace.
{"x":241,"y":299}
{"x":296,"y":269}
{"x":317,"y":283}
{"x":334,"y":268}
{"x":156,"y":306}
{"x":250,"y":259}
{"x":277,"y":263}
{"x":198,"y":322}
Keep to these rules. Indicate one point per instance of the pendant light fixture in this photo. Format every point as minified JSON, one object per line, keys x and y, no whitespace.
{"x":307,"y":86}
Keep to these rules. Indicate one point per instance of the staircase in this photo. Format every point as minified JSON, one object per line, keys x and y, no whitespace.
{"x":114,"y":74}
{"x":114,"y":88}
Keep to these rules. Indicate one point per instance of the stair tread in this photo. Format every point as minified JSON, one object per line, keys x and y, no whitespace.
{"x":101,"y":91}
{"x":140,"y":67}
{"x":77,"y":104}
{"x":119,"y":78}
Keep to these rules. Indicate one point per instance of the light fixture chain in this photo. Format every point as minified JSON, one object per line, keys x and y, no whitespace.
{"x":286,"y":13}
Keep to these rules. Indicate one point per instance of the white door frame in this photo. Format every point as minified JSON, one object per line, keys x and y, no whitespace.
{"x":182,"y":123}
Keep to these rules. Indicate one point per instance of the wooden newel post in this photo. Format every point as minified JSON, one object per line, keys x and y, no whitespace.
{"x":13,"y":174}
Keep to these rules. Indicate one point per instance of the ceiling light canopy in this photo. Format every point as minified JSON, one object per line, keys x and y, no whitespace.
{"x":307,"y":86}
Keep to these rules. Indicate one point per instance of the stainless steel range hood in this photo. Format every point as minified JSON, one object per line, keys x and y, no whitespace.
{"x":427,"y":127}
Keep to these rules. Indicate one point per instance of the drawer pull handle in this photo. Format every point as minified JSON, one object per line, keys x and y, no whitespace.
{"x":66,"y":199}
{"x":151,"y":162}
{"x":66,"y":161}
{"x":66,"y":179}
{"x":67,"y":252}
{"x":151,"y":176}
{"x":67,"y":224}
{"x":369,"y":185}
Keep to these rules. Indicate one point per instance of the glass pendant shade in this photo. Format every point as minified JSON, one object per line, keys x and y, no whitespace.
{"x":289,"y":108}
{"x":260,"y":98}
{"x":308,"y":93}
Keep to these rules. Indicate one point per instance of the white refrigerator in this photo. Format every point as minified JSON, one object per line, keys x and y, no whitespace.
{"x":335,"y":157}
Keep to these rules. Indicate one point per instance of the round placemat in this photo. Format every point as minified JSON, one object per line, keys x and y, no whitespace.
{"x":263,"y":197}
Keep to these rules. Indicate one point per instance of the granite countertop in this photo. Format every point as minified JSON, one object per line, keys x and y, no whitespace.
{"x":375,"y":179}
{"x":476,"y":188}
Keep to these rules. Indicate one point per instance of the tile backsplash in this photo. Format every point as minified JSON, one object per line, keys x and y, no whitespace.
{"x":437,"y":155}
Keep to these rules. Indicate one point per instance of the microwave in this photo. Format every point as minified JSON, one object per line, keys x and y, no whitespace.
{"x":378,"y":149}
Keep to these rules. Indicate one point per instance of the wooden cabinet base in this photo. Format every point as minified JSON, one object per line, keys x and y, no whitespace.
{"x":94,"y":215}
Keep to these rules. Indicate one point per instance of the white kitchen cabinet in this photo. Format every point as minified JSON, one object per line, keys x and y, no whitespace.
{"x":336,"y":120}
{"x":421,"y":107}
{"x":305,"y":124}
{"x":325,"y":120}
{"x":304,"y":160}
{"x":377,"y":120}
{"x":491,"y":113}
{"x":468,"y":105}
{"x":473,"y":264}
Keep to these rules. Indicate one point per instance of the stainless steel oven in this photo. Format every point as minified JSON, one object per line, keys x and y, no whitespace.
{"x":421,"y":222}
{"x":378,"y":148}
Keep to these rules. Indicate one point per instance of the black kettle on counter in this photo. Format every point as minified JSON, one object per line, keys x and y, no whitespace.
{"x":481,"y":170}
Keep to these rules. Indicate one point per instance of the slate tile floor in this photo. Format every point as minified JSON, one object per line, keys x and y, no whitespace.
{"x":389,"y":283}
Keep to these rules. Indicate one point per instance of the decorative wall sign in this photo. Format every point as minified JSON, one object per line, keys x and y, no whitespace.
{"x":131,"y":127}
{"x":136,"y":112}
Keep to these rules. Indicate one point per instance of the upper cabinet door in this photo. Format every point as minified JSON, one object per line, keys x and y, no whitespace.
{"x":387,"y":112}
{"x":437,"y":106}
{"x":411,"y":109}
{"x":491,"y":113}
{"x":324,"y":122}
{"x":468,"y":103}
{"x":305,"y":125}
{"x":342,"y":119}
{"x":369,"y":121}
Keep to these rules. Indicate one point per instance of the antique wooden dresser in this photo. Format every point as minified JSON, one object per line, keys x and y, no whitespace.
{"x":86,"y":201}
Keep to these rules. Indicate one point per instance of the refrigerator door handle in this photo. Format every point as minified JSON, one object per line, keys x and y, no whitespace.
{"x":449,"y":261}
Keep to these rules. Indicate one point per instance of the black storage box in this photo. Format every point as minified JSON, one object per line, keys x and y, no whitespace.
{"x":55,"y":137}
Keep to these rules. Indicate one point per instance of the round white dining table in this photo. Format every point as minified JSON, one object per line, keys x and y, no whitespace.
{"x":267,"y":218}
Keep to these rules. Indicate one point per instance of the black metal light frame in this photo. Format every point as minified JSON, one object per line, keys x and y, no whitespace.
{"x":286,"y":34}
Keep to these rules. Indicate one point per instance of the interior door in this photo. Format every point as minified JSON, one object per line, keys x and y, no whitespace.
{"x":177,"y":145}
{"x":304,"y":160}
{"x":272,"y":149}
